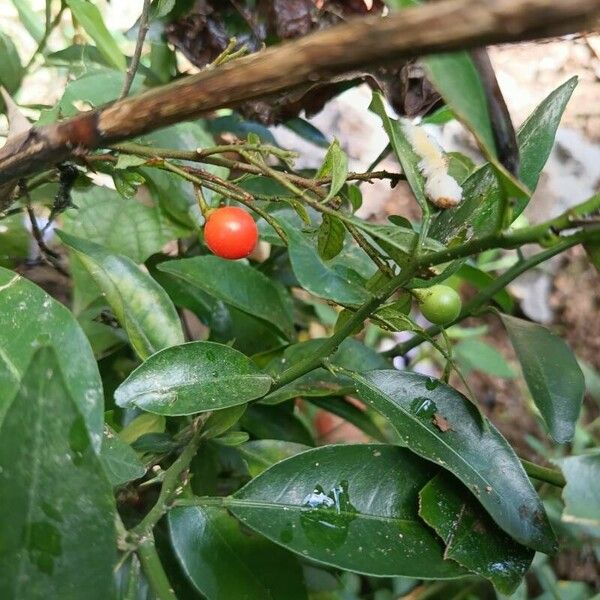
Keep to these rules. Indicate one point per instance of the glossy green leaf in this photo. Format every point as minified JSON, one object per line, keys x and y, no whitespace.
{"x":58,"y":513}
{"x":457,"y":80}
{"x":471,"y":449}
{"x":472,"y":538}
{"x":124,"y":227}
{"x":477,"y":355}
{"x":11,"y":70}
{"x":30,"y":19}
{"x":395,"y":316}
{"x":120,"y":462}
{"x":351,"y":506}
{"x":221,"y":421}
{"x":307,"y":131}
{"x":480,"y":279}
{"x":552,"y":374}
{"x":225,"y":562}
{"x":161,"y":8}
{"x":90,"y":18}
{"x":276,"y":423}
{"x":402,"y":149}
{"x":333,"y":280}
{"x":96,"y":86}
{"x":351,"y":354}
{"x":232,"y":438}
{"x":144,"y":424}
{"x":14,"y":241}
{"x":460,"y":166}
{"x":351,"y":413}
{"x":175,"y":194}
{"x":335,"y":165}
{"x":582,"y":492}
{"x":192,"y":378}
{"x":330,"y":239}
{"x":139,"y":303}
{"x":477,"y":214}
{"x":22,"y":304}
{"x":259,"y":455}
{"x":239,"y":285}
{"x":397,"y":241}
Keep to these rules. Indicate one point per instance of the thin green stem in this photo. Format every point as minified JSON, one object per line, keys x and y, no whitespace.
{"x":369,"y":250}
{"x":203,"y":178}
{"x":171,"y":484}
{"x":485,"y":295}
{"x":50,"y":26}
{"x":433,"y":258}
{"x":154,"y":571}
{"x":551,"y":476}
{"x":330,"y":344}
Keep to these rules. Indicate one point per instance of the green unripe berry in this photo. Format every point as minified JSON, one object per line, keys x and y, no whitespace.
{"x":439,"y":304}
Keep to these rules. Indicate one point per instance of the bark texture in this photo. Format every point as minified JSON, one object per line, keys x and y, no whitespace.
{"x":320,"y":57}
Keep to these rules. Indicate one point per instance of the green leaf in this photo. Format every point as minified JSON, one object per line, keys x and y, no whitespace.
{"x":471,"y":449}
{"x":91,"y":20}
{"x":477,"y":355}
{"x":30,"y":19}
{"x":192,"y":378}
{"x":139,"y":303}
{"x":352,"y":507}
{"x":351,"y":413}
{"x":221,"y":421}
{"x":232,"y":438}
{"x":460,"y":166}
{"x":333,"y":281}
{"x":161,"y":8}
{"x":480,"y":279}
{"x":11,"y":70}
{"x":125,"y":161}
{"x":142,"y":425}
{"x":120,"y":462}
{"x":239,"y":285}
{"x":330,"y":239}
{"x":397,"y":241}
{"x":124,"y":227}
{"x":15,"y":240}
{"x":30,"y":317}
{"x":351,"y":354}
{"x":95,"y":87}
{"x":593,"y":251}
{"x":307,"y":131}
{"x":552,"y":374}
{"x":582,"y":492}
{"x":477,"y":214}
{"x":457,"y":80}
{"x":472,"y":539}
{"x":127,"y":182}
{"x":277,"y":423}
{"x":259,"y":455}
{"x":335,"y":165}
{"x":224,"y":561}
{"x":57,"y":520}
{"x":402,"y":149}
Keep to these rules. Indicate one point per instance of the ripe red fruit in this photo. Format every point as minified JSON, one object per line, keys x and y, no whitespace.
{"x":230,"y":232}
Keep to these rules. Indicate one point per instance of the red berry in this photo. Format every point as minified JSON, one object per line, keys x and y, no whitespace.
{"x":230,"y":232}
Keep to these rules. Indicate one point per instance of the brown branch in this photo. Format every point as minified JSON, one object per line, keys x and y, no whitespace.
{"x":319,"y":57}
